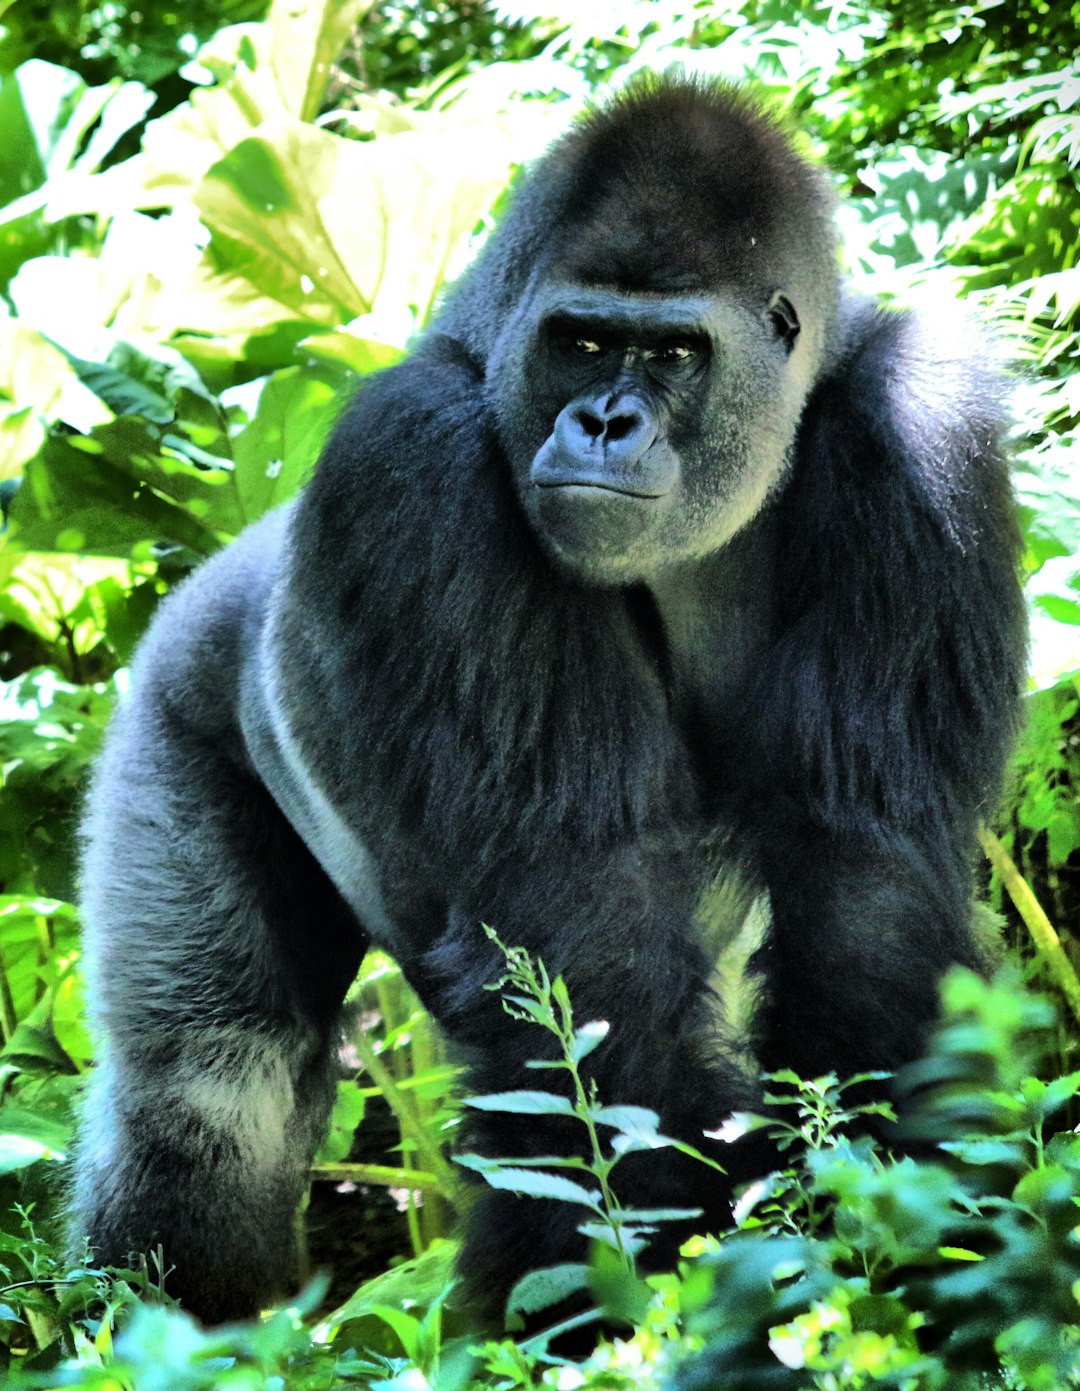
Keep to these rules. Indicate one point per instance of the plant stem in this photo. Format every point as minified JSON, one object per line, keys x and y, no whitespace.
{"x":379,"y":1175}
{"x":402,"y":1106}
{"x":1046,"y":940}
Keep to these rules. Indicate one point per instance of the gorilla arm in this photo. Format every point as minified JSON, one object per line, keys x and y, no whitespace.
{"x":891,"y":695}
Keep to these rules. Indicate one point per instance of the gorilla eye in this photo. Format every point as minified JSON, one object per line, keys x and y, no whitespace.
{"x":586,"y":347}
{"x":785,"y":321}
{"x":671,"y":353}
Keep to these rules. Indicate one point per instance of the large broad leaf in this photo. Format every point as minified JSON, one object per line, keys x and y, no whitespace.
{"x":257,"y":72}
{"x":357,"y":354}
{"x":319,"y":223}
{"x":72,"y":128}
{"x":88,"y":494}
{"x":264,"y":203}
{"x":305,"y":38}
{"x":275,"y":453}
{"x":136,"y":288}
{"x":24,"y":152}
{"x":417,"y":1282}
{"x":37,"y":386}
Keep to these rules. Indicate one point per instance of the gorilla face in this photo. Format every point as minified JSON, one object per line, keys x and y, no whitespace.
{"x":644,"y":429}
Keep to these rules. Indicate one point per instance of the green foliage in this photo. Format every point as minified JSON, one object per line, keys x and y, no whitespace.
{"x":531,"y":996}
{"x":213,"y":220}
{"x":854,"y":1268}
{"x":849,"y":1267}
{"x":148,"y":44}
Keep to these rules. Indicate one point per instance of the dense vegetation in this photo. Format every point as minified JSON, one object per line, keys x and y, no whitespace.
{"x":213,"y":219}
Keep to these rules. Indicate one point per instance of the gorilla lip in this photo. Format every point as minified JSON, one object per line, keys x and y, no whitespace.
{"x":586,"y":486}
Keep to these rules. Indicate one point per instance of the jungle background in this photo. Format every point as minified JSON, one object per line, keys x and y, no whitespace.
{"x":214,"y":219}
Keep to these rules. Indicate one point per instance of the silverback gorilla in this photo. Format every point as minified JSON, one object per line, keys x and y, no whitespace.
{"x":662,"y":555}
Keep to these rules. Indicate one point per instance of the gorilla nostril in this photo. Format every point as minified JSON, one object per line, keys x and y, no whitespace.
{"x":591,"y":424}
{"x":619,"y":426}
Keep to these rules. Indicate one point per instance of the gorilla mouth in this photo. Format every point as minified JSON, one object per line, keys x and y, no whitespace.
{"x":587,"y":486}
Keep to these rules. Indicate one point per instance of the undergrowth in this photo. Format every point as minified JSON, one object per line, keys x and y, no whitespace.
{"x":950,"y":1266}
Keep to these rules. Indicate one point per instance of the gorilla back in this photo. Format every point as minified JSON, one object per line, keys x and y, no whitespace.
{"x":662,"y":554}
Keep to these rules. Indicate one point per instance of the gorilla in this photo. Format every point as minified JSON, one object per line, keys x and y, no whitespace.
{"x":664,"y":561}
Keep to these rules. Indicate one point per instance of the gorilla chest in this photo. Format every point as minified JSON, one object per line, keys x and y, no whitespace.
{"x":715,"y":624}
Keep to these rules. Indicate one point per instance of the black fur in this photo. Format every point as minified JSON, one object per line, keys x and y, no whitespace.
{"x":749,"y":607}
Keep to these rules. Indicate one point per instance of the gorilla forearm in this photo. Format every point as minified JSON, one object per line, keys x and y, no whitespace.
{"x":204,"y":1155}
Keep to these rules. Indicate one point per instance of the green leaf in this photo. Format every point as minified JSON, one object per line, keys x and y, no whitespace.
{"x":636,"y":1121}
{"x":588,"y":1037}
{"x":277,"y":450}
{"x":305,"y":40}
{"x":419,"y":1281}
{"x":34,"y":1047}
{"x":1058,"y":1091}
{"x":651,"y":1217}
{"x":349,"y":350}
{"x":405,"y":1327}
{"x":542,"y":1289}
{"x":522,"y":1103}
{"x":347,"y":1114}
{"x":108,"y":494}
{"x":738,"y":1124}
{"x":330,"y":229}
{"x":19,"y":1152}
{"x":45,"y":1131}
{"x":483,"y":1163}
{"x":531,"y":1183}
{"x":621,"y":1294}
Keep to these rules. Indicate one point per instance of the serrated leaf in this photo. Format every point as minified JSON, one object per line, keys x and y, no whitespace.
{"x":1058,"y":1091}
{"x":522,"y":1103}
{"x":532,"y":1008}
{"x":531,"y":1183}
{"x":638,"y":1121}
{"x":652,"y":1216}
{"x":482,"y":1163}
{"x":631,"y":1239}
{"x":541,"y":1289}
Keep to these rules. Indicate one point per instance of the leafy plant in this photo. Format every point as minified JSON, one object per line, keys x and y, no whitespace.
{"x":531,"y":996}
{"x":852,"y":1267}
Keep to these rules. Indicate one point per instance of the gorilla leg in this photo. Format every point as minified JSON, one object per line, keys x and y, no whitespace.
{"x":620,"y":935}
{"x":862,"y":930}
{"x":218,"y":955}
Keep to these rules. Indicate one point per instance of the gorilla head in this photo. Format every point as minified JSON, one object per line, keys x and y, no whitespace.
{"x":649,"y":386}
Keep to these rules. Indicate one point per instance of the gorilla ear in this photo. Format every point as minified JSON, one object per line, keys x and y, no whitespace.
{"x":785,"y":321}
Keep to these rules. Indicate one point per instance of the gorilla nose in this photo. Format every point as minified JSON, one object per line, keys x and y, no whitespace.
{"x":621,"y":430}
